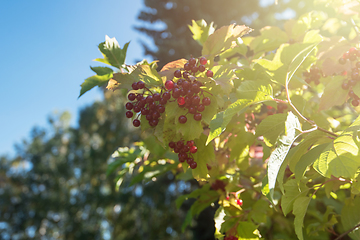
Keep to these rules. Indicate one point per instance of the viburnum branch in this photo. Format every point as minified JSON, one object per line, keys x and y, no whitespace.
{"x":312,"y":123}
{"x":347,"y":232}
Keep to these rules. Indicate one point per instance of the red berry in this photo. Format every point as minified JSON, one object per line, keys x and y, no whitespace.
{"x":149,"y":99}
{"x":134,"y":86}
{"x":203,"y":60}
{"x":345,"y":86}
{"x":176,"y":93}
{"x":355,"y":102}
{"x":192,"y":61}
{"x":352,"y":50}
{"x":346,"y":55}
{"x":182,"y":156}
{"x":169,"y":84}
{"x":137,"y":108}
{"x":181,"y":101}
{"x":189,"y":160}
{"x":186,"y":75}
{"x":197,"y":116}
{"x":131,"y":96}
{"x":166,"y":96}
{"x":206,"y":101}
{"x":140,"y":85}
{"x":177,"y":73}
{"x":192,"y":110}
{"x":200,"y":107}
{"x":136,"y":123}
{"x":172,"y":144}
{"x":129,"y":106}
{"x":201,"y":68}
{"x":193,"y":165}
{"x":209,"y":73}
{"x":193,"y":149}
{"x":239,"y":202}
{"x":161,"y":108}
{"x":194,"y":69}
{"x":187,"y":66}
{"x":182,"y":119}
{"x":157,"y":96}
{"x":129,"y":114}
{"x":190,"y":143}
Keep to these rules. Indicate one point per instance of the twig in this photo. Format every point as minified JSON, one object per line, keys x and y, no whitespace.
{"x":347,"y":232}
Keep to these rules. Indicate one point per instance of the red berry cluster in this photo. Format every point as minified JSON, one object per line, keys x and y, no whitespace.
{"x":185,"y":151}
{"x":218,"y":184}
{"x":313,"y":75}
{"x":187,"y":92}
{"x":354,"y":76}
{"x":230,"y":238}
{"x":149,"y":104}
{"x":350,"y":55}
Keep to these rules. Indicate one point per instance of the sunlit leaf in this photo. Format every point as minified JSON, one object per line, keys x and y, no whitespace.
{"x":113,"y":54}
{"x":334,"y":94}
{"x":94,"y":81}
{"x":301,"y":204}
{"x":201,"y":30}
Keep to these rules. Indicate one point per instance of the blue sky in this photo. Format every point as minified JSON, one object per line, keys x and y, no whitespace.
{"x":46,"y":50}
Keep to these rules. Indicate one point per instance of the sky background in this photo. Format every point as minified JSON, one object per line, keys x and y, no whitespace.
{"x":47,"y":48}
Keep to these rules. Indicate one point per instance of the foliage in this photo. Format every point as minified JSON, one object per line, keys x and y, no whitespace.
{"x":172,"y":40}
{"x":281,"y":134}
{"x":57,"y":188}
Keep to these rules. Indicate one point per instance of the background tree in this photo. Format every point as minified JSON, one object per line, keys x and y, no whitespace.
{"x":175,"y":40}
{"x":57,"y":186}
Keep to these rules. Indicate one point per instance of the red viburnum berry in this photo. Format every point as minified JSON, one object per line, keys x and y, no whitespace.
{"x":169,"y":84}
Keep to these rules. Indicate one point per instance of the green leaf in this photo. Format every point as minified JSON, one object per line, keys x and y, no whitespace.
{"x":266,"y":41}
{"x":301,"y":204}
{"x":201,"y":30}
{"x":292,"y":192}
{"x":222,"y":39}
{"x":245,"y":230}
{"x":260,"y":211}
{"x":221,"y":120}
{"x":279,"y":154}
{"x":240,"y":146}
{"x":255,"y":90}
{"x":94,"y":81}
{"x":298,"y":60}
{"x":341,"y":157}
{"x":308,"y":159}
{"x":113,"y":54}
{"x":298,"y":151}
{"x":143,"y":73}
{"x":205,"y":154}
{"x":350,"y":217}
{"x":334,"y":94}
{"x":223,"y":77}
{"x":102,"y":70}
{"x":271,"y":128}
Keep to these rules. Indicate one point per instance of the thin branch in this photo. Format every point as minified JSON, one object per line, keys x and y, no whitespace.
{"x":312,"y":123}
{"x":347,"y":232}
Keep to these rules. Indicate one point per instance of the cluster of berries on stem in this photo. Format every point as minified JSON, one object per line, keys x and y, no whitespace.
{"x":147,"y":103}
{"x":185,"y":151}
{"x":218,"y":184}
{"x":313,"y":75}
{"x":354,"y":76}
{"x":187,"y":92}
